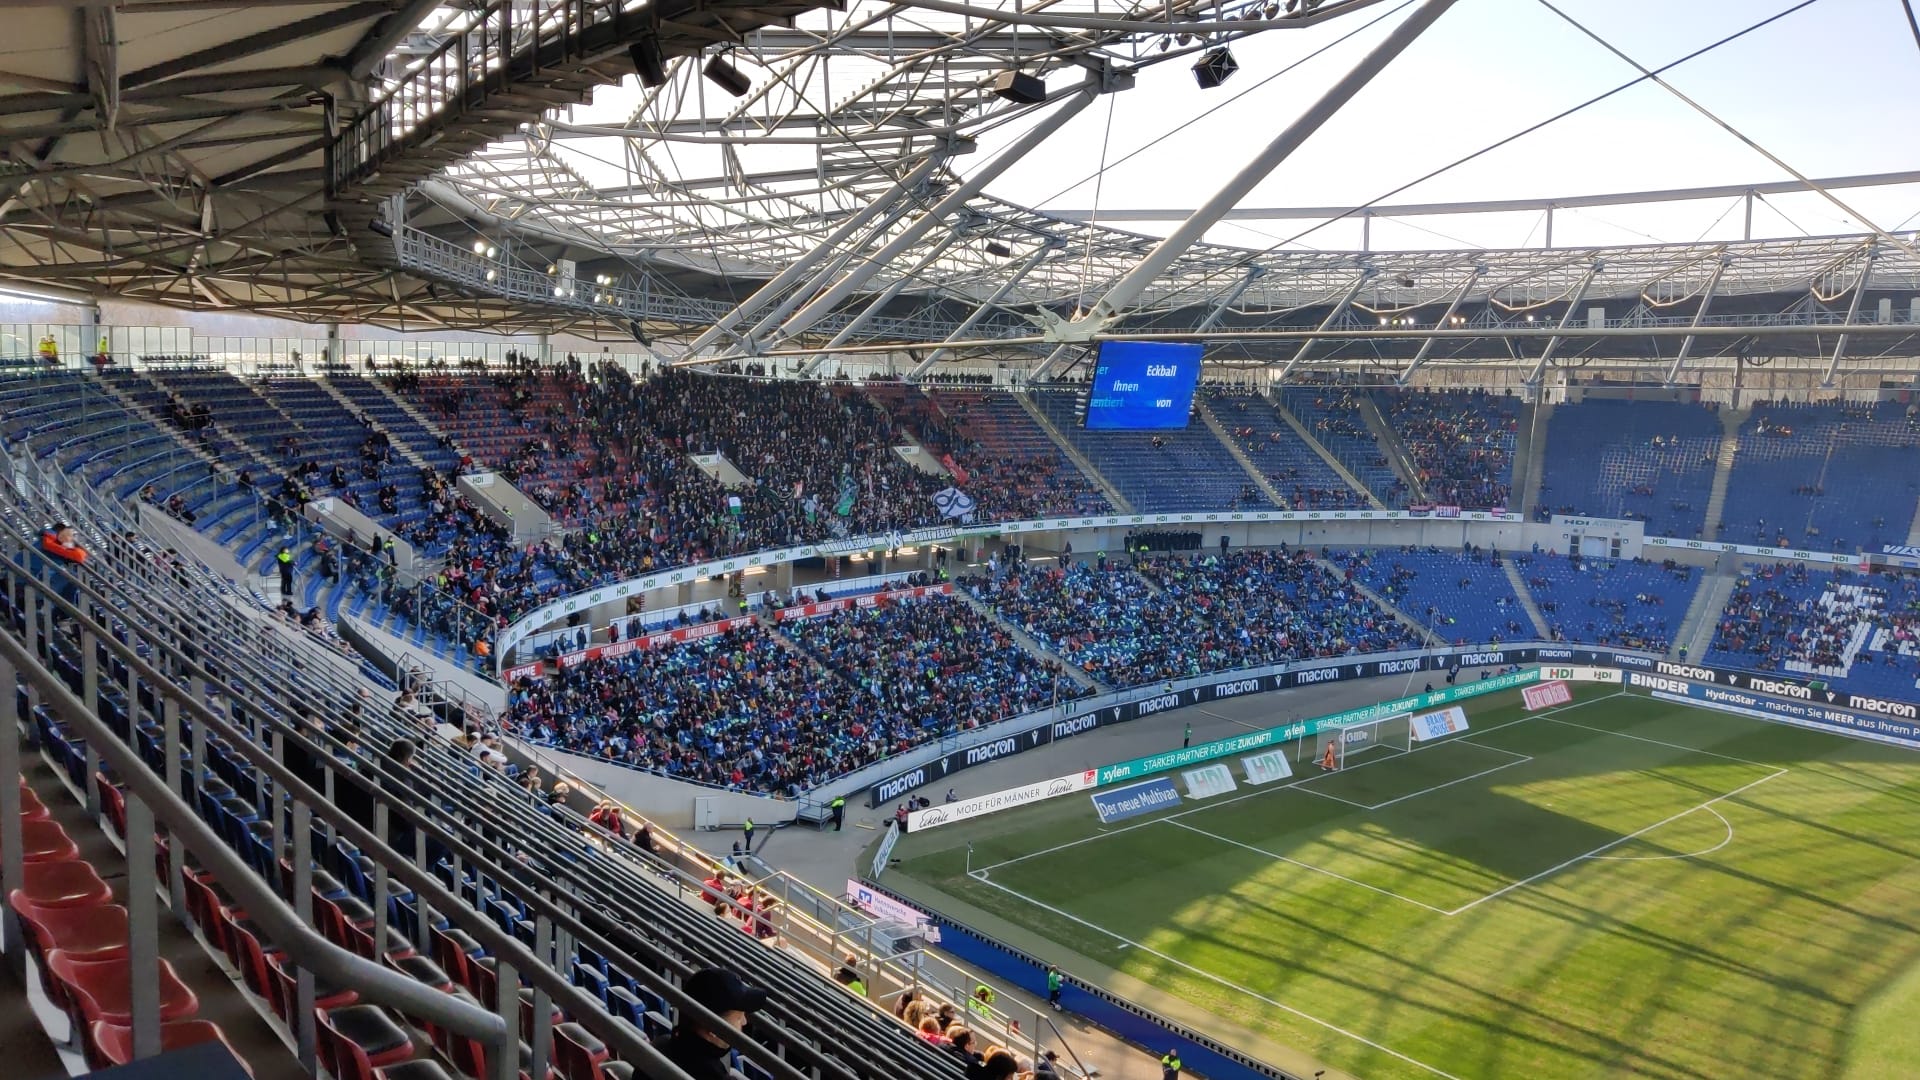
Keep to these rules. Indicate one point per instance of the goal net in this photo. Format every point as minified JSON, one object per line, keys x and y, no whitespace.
{"x":1341,"y":747}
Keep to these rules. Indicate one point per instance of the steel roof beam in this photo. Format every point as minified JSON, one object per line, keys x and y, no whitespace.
{"x":1573,"y":309}
{"x":1136,"y":281}
{"x":1706,"y":301}
{"x":1453,"y":306}
{"x":973,"y":319}
{"x":240,"y":48}
{"x":1853,"y":313}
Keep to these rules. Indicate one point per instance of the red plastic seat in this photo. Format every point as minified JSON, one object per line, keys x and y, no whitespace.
{"x":101,"y":989}
{"x":84,"y":933}
{"x":45,"y":841}
{"x":113,"y":802}
{"x":577,"y":1052}
{"x":109,"y":1045}
{"x":63,"y":884}
{"x":31,"y":808}
{"x":283,"y":990}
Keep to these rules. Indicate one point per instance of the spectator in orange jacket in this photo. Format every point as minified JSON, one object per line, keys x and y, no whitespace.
{"x":59,"y":544}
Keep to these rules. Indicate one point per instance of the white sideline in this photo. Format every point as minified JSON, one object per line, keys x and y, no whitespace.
{"x":1611,"y":844}
{"x":1299,"y":783}
{"x":981,"y":875}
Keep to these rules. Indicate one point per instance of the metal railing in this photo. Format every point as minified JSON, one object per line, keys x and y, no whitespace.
{"x":573,"y":891}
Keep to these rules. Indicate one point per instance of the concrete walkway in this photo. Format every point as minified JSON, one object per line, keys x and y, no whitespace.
{"x":827,"y":859}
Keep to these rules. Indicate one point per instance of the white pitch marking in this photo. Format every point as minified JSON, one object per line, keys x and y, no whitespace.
{"x":1521,"y":759}
{"x":1211,"y":977}
{"x":1308,"y":866}
{"x":1611,"y":844}
{"x":1297,"y":783}
{"x":1728,"y":839}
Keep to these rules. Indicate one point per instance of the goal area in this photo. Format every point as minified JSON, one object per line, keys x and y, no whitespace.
{"x":1350,"y":744}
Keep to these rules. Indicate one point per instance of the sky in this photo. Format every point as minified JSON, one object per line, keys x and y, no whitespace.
{"x":1833,"y":89}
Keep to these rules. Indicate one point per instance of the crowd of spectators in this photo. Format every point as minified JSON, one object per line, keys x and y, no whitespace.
{"x":1630,"y":603}
{"x":1008,"y":486}
{"x":934,"y":658}
{"x":1788,"y":618}
{"x":1461,"y":442}
{"x":1177,"y":616}
{"x":738,"y":709}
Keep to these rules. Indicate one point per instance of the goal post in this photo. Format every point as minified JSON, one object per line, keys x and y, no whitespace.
{"x":1350,"y":744}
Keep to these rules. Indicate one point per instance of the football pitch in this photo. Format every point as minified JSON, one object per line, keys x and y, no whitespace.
{"x":1616,"y":887}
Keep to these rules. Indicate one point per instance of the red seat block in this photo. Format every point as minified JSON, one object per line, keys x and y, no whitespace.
{"x":101,"y":989}
{"x":84,"y":933}
{"x":45,"y":841}
{"x":63,"y":884}
{"x":108,"y":1045}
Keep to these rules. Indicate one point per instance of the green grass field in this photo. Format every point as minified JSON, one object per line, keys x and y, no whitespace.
{"x":1617,"y":888}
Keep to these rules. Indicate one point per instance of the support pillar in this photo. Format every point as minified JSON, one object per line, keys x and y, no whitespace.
{"x":1156,"y":262}
{"x":1573,"y":310}
{"x":1453,"y":306}
{"x":882,"y":300}
{"x":1706,"y":299}
{"x":805,"y":265}
{"x":972,"y":320}
{"x":1853,"y":313}
{"x":954,"y":200}
{"x":1333,"y":316}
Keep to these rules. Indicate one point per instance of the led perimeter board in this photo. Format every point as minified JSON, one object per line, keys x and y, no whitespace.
{"x":1140,"y":385}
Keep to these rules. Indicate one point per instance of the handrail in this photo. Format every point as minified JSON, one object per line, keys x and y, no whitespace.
{"x":491,"y":827}
{"x":281,"y":923}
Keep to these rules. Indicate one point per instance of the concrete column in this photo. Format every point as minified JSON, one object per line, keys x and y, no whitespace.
{"x":686,"y":594}
{"x":783,"y":577}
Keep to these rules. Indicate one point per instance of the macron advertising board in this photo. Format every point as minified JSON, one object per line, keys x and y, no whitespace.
{"x":1140,"y":385}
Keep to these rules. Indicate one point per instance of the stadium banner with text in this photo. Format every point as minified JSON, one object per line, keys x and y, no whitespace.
{"x":1135,"y":799}
{"x":979,"y":805}
{"x":1451,"y":720}
{"x":1806,"y":714}
{"x":884,"y":852}
{"x":1582,"y":674}
{"x":884,"y":907}
{"x":1208,"y":781}
{"x":1079,"y":717}
{"x":1260,"y":740}
{"x":1799,"y":689}
{"x":1546,"y":695}
{"x":1266,"y":766}
{"x":867,"y":600}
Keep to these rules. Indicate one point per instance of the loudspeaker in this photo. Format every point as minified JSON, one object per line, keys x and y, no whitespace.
{"x":647,"y":61}
{"x":1019,"y":88}
{"x":727,"y":77}
{"x":1214,"y":67}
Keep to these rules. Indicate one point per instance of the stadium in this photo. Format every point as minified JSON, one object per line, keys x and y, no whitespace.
{"x":1253,"y":540}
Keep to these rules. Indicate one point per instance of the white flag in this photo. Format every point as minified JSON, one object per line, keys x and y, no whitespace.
{"x":953,"y":503}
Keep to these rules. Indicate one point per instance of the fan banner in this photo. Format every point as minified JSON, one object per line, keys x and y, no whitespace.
{"x":953,"y":503}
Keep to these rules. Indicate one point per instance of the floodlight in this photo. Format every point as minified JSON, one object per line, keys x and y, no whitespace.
{"x":727,"y":77}
{"x":1214,"y":67}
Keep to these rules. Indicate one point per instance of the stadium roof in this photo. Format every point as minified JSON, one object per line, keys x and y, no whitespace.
{"x":405,"y":163}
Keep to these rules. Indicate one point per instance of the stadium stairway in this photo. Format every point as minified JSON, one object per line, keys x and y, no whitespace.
{"x":1695,"y":635}
{"x":1529,"y":455}
{"x":1339,"y":573}
{"x":401,"y":446}
{"x":1240,"y":455}
{"x":1028,"y":641}
{"x":1730,"y":421}
{"x":1396,"y":451}
{"x":1913,"y":530}
{"x":1119,"y":501}
{"x":1280,"y":409}
{"x":1525,"y":597}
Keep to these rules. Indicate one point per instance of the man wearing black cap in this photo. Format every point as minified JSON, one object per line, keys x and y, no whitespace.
{"x":698,"y":1047}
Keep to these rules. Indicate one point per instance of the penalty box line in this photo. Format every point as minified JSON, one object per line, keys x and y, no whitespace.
{"x":981,"y":876}
{"x":1299,"y":782}
{"x":1598,"y":853}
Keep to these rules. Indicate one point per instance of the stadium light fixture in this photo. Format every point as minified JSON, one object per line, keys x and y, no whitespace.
{"x":1214,"y":67}
{"x":727,"y":77}
{"x":479,"y":247}
{"x":492,"y":274}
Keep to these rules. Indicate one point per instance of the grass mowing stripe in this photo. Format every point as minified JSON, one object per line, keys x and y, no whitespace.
{"x":1749,"y":939}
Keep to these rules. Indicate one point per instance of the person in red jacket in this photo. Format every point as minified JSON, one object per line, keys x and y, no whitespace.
{"x":59,"y":544}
